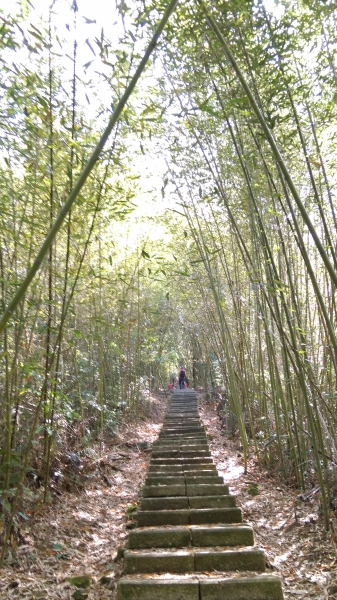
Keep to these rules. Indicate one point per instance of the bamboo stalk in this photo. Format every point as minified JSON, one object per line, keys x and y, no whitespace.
{"x":87,"y":169}
{"x":274,"y":147}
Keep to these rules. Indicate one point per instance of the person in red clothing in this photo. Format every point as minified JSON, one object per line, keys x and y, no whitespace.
{"x":182,"y":376}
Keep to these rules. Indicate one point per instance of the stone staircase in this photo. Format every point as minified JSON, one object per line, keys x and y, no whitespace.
{"x":190,"y":543}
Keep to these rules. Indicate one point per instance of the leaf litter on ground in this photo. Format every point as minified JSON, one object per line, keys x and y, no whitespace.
{"x":290,"y":531}
{"x":79,"y":534}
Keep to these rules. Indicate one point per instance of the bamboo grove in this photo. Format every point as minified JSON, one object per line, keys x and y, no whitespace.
{"x":229,"y":266}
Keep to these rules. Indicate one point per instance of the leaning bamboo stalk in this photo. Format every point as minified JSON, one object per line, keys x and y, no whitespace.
{"x":225,"y":333}
{"x":270,"y":138}
{"x":298,"y":237}
{"x":87,"y":169}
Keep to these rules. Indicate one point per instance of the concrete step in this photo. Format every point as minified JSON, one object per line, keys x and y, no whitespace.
{"x":189,"y":516}
{"x":180,"y":453}
{"x":159,"y":472}
{"x":182,"y":431}
{"x":156,"y":491}
{"x":182,"y":422}
{"x":193,"y":560}
{"x":182,"y":461}
{"x":227,"y":501}
{"x":176,"y":441}
{"x":198,"y":536}
{"x":254,"y":587}
{"x":181,"y":468}
{"x":179,"y":502}
{"x":180,"y":447}
{"x":168,"y":479}
{"x":180,"y":418}
{"x":186,"y":438}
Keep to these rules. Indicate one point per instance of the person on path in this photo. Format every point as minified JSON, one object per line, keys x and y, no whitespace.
{"x":182,"y":375}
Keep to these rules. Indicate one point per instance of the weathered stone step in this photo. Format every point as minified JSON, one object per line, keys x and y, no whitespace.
{"x":211,"y":472}
{"x":156,"y":491}
{"x":180,"y":408}
{"x":182,"y":468}
{"x":180,"y":415}
{"x":180,"y":537}
{"x":178,"y":502}
{"x":185,"y":440}
{"x":183,"y":429}
{"x":182,"y":461}
{"x":180,"y":453}
{"x":181,"y":421}
{"x":180,"y":434}
{"x":189,"y":561}
{"x":258,"y":587}
{"x":180,"y":447}
{"x":168,"y":479}
{"x":189,"y":516}
{"x":186,"y":437}
{"x":180,"y":440}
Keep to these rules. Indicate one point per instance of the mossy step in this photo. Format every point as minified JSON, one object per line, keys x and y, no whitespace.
{"x":259,"y":587}
{"x":189,"y":516}
{"x":180,"y":537}
{"x":189,"y":561}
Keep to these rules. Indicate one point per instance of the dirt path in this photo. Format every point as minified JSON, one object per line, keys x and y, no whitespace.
{"x":80,"y":533}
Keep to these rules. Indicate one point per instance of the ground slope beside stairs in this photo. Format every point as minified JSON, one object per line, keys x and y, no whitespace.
{"x":191,"y":543}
